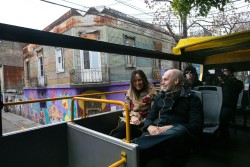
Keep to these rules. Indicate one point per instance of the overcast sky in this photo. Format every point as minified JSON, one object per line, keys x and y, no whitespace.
{"x":37,"y":14}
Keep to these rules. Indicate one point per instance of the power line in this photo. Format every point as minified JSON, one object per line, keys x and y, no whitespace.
{"x":86,"y":6}
{"x":136,"y":24}
{"x":144,"y":24}
{"x":211,"y":13}
{"x":131,"y":6}
{"x":148,"y":13}
{"x":208,"y":17}
{"x":214,"y":24}
{"x":147,"y":18}
{"x":75,"y":3}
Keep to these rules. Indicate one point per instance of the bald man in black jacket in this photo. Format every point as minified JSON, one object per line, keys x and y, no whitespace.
{"x":174,"y":122}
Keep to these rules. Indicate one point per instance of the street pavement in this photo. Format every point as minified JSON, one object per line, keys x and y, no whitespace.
{"x":13,"y":122}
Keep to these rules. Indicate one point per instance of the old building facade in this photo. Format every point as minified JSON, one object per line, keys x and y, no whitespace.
{"x":58,"y":72}
{"x":11,"y":72}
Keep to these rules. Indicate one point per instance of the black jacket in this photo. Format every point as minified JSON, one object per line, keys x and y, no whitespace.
{"x":184,"y":109}
{"x":231,"y":88}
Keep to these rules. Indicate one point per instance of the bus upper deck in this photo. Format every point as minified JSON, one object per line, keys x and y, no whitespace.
{"x":217,"y":51}
{"x":87,"y":142}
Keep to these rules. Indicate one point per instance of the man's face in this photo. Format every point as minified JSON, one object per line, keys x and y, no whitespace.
{"x":168,"y":82}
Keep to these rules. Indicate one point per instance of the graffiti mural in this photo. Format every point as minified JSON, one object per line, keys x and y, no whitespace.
{"x":59,"y":110}
{"x":50,"y":111}
{"x":92,"y":107}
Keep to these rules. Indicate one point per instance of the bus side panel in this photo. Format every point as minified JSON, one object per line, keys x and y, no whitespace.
{"x":38,"y":147}
{"x":89,"y":148}
{"x":104,"y":122}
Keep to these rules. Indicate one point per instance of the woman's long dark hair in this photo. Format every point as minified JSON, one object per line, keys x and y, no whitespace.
{"x":146,"y":84}
{"x":194,"y":79}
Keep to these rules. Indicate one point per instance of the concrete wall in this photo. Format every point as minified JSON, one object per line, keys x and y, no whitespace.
{"x":11,"y":68}
{"x":11,"y":53}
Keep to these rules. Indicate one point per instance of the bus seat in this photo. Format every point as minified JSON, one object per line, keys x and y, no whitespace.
{"x":198,"y":94}
{"x":239,"y":103}
{"x":212,"y":103}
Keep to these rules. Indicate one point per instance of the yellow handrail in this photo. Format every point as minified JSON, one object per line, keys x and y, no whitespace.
{"x":60,"y":98}
{"x":105,"y":101}
{"x":84,"y":114}
{"x":123,"y":160}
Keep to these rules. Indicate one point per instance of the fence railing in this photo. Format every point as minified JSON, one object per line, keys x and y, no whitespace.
{"x":38,"y":81}
{"x":89,"y":75}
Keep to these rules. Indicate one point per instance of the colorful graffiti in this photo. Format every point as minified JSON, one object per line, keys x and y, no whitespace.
{"x":52,"y":111}
{"x":92,"y":107}
{"x":59,"y":110}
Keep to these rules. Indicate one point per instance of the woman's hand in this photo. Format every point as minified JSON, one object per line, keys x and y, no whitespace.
{"x":135,"y":120}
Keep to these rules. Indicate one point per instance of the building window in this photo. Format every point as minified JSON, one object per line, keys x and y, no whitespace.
{"x":86,"y":61}
{"x":91,"y":34}
{"x":157,"y":46}
{"x":43,"y":104}
{"x":157,"y":69}
{"x":27,"y":70}
{"x":130,"y":60}
{"x":59,"y":60}
{"x":40,"y":66}
{"x":40,"y":63}
{"x":156,"y":63}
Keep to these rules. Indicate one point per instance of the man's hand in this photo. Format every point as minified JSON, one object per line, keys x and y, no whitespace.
{"x":164,"y":128}
{"x":154,"y":130}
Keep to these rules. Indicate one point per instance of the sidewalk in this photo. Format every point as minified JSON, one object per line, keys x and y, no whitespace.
{"x":13,"y":122}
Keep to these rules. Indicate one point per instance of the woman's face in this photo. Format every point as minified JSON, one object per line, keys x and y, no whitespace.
{"x":188,"y":74}
{"x":137,"y":82}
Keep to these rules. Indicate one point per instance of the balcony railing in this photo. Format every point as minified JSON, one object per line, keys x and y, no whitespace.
{"x":38,"y":81}
{"x":94,"y":75}
{"x":42,"y":80}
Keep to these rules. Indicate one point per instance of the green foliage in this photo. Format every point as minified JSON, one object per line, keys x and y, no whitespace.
{"x":183,"y":7}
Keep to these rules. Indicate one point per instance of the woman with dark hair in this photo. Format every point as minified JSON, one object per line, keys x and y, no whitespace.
{"x":191,"y":77}
{"x":138,"y":99}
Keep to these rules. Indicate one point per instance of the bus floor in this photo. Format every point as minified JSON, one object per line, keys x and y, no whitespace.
{"x":217,"y":153}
